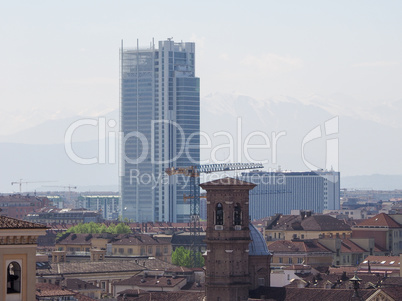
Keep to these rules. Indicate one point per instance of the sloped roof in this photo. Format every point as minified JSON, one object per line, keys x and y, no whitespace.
{"x":139,"y":239}
{"x":136,"y":264}
{"x":380,"y":220}
{"x":394,"y":292}
{"x":13,"y":223}
{"x":311,"y":294}
{"x":182,"y":239}
{"x":348,"y":246}
{"x":385,"y":261}
{"x":153,"y":281}
{"x":324,"y":223}
{"x":310,"y":223}
{"x":52,"y":290}
{"x":75,"y":239}
{"x":93,"y":267}
{"x":309,"y":246}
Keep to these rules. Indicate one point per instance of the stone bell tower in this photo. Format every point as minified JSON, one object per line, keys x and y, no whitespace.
{"x":227,"y":239}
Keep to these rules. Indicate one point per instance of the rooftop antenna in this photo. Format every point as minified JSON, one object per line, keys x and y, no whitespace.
{"x":169,"y":39}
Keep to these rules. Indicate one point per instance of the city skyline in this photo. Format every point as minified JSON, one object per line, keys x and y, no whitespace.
{"x":317,"y":56}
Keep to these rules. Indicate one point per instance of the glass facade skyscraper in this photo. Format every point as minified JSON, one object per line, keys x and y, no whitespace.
{"x":160,"y":124}
{"x":283,"y":191}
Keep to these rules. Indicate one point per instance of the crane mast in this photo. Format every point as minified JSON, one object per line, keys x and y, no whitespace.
{"x":194,"y":173}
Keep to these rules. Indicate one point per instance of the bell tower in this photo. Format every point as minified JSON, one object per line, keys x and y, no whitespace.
{"x":227,"y":239}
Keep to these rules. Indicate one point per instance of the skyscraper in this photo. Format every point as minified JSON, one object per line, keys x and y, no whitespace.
{"x":283,"y":191}
{"x":160,"y":123}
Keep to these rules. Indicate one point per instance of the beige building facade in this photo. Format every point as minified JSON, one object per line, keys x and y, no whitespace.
{"x":18,"y":241}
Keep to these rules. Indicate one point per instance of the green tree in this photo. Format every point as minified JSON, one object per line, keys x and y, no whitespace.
{"x":94,"y":228}
{"x":122,"y":228}
{"x":183,"y":257}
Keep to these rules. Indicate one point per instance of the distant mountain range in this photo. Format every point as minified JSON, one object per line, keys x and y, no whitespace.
{"x":366,"y":147}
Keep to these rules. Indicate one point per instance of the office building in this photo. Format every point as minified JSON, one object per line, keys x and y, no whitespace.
{"x":160,"y":122}
{"x":283,"y":191}
{"x":107,"y":205}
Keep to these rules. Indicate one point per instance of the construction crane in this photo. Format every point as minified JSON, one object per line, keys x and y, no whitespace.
{"x":20,"y":182}
{"x":194,"y":173}
{"x":69,"y":189}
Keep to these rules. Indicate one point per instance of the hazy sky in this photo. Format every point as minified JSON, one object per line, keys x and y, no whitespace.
{"x":60,"y":58}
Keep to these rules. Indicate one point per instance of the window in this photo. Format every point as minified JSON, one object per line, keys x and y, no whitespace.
{"x":290,"y":260}
{"x":237,"y":214}
{"x":13,"y":278}
{"x":300,"y":260}
{"x":165,"y":250}
{"x":158,"y":251}
{"x":261,"y":281}
{"x":130,"y":251}
{"x":219,"y":214}
{"x":121,"y":250}
{"x":149,"y":250}
{"x":142,"y":250}
{"x":280,"y":260}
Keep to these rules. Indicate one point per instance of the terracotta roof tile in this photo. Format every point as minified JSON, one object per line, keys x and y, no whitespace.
{"x":51,"y":290}
{"x":13,"y":223}
{"x":380,"y":220}
{"x":383,"y":261}
{"x":93,"y":267}
{"x":348,"y":246}
{"x":311,"y":294}
{"x":152,"y":281}
{"x":307,"y":246}
{"x":310,"y":223}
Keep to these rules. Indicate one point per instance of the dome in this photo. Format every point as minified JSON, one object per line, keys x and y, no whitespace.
{"x":257,"y":246}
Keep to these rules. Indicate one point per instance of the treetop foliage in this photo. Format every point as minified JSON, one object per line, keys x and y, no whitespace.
{"x":182,"y":257}
{"x":95,"y":228}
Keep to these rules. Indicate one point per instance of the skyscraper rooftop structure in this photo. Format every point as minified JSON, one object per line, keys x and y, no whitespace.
{"x":160,"y":123}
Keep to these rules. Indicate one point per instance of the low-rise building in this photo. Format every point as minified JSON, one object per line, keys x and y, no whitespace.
{"x":352,"y":251}
{"x":18,"y":206}
{"x":116,"y":245}
{"x":143,"y":245}
{"x":84,"y":288}
{"x":18,"y":258}
{"x":309,"y":252}
{"x":64,"y":216}
{"x":51,"y":292}
{"x":108,"y":205}
{"x":150,"y":284}
{"x":346,"y":213}
{"x":305,"y":226}
{"x":384,"y":229}
{"x":384,"y":265}
{"x":102,"y":273}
